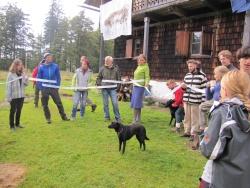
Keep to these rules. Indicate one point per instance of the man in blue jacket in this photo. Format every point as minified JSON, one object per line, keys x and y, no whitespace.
{"x":49,"y":70}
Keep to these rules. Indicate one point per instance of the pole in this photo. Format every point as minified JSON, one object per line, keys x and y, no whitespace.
{"x":146,"y":36}
{"x":101,"y":55}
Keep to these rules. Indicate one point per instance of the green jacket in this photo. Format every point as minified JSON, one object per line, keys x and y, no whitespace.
{"x":142,"y":72}
{"x":106,"y":73}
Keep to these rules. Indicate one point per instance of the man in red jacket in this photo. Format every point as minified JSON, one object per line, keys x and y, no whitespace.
{"x":37,"y":90}
{"x":178,"y":103}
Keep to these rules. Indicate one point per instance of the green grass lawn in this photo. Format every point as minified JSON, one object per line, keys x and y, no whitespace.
{"x":84,"y":153}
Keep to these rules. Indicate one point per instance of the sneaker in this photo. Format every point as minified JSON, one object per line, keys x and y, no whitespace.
{"x":107,"y":119}
{"x":13,"y":129}
{"x":176,"y":129}
{"x":118,"y":120}
{"x":48,"y":121}
{"x":65,"y":118}
{"x":72,"y":118}
{"x":191,"y":138}
{"x":19,"y":126}
{"x":93,"y":107}
{"x":186,"y":135}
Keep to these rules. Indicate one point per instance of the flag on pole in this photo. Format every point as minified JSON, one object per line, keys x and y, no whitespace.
{"x":115,"y":19}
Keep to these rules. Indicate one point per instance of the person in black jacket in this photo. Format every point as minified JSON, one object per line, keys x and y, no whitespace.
{"x":109,"y":72}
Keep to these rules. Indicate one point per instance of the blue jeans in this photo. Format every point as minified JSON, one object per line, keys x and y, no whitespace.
{"x":79,"y":97}
{"x":106,"y":93}
{"x":179,"y":114}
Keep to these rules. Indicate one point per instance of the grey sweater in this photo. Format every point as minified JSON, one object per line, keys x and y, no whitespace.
{"x":81,"y":79}
{"x":14,"y":88}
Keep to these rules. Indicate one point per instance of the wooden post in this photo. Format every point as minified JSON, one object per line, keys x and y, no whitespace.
{"x":246,"y":34}
{"x":101,"y":54}
{"x":146,"y":36}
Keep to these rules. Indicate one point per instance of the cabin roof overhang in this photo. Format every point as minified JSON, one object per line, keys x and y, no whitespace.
{"x":176,"y":9}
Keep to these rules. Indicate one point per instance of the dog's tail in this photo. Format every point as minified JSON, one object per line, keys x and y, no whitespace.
{"x":146,"y":138}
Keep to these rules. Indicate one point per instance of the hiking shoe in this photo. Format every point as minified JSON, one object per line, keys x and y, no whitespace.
{"x":107,"y":119}
{"x":93,"y":107}
{"x":65,"y":119}
{"x":48,"y":121}
{"x":186,"y":135}
{"x":118,"y":120}
{"x":19,"y":126}
{"x":176,"y":129}
{"x":191,"y":138}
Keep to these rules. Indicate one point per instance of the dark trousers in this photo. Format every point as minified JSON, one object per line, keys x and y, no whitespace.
{"x":16,"y":106}
{"x":36,"y":99}
{"x":46,"y":92}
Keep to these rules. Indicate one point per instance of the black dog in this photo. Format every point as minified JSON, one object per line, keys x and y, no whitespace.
{"x":124,"y":133}
{"x":172,"y":110}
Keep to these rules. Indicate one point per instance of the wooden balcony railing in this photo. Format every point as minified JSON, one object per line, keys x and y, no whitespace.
{"x":140,"y":5}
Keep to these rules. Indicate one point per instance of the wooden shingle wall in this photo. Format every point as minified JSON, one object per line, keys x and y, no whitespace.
{"x":227,"y":32}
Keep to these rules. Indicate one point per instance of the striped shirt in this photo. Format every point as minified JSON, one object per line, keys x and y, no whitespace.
{"x":196,"y":80}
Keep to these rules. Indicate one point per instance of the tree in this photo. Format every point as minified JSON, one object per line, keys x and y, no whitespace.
{"x":16,"y":31}
{"x":52,"y":22}
{"x":14,"y":34}
{"x":61,"y":45}
{"x":80,"y":40}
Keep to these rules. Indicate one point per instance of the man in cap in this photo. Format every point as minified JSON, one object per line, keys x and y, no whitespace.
{"x":49,"y":70}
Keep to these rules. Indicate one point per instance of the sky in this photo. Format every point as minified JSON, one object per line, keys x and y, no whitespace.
{"x":38,"y":10}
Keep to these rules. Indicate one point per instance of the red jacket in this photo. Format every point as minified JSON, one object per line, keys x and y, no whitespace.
{"x":178,"y":98}
{"x":34,"y":73}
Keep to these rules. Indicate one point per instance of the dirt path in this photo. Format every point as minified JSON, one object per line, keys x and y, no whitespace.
{"x":11,"y":175}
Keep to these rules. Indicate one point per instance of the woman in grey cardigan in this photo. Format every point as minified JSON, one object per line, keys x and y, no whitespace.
{"x":80,"y":79}
{"x":16,"y":82}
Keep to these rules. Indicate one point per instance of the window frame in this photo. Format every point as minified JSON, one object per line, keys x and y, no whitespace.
{"x":135,"y":54}
{"x":191,"y":43}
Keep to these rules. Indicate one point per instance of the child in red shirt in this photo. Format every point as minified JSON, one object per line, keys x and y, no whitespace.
{"x":177,"y":103}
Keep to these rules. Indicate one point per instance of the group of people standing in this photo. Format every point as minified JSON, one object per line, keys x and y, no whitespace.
{"x":48,"y":70}
{"x":217,"y":120}
{"x":225,"y":137}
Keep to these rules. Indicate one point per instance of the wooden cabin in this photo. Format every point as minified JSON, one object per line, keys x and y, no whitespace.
{"x":169,"y":32}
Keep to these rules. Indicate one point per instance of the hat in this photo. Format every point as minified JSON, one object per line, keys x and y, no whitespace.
{"x":46,"y":55}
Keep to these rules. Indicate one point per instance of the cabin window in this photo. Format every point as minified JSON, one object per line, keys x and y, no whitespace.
{"x":201,"y":43}
{"x":196,"y":43}
{"x":137,"y":47}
